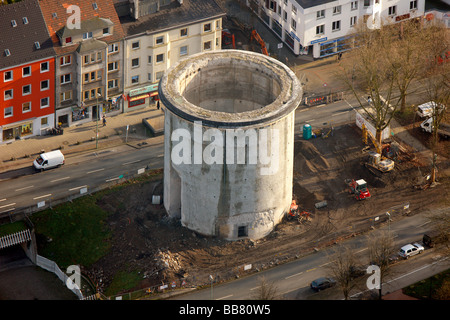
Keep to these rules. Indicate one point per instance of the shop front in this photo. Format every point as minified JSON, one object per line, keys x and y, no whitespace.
{"x":26,"y":129}
{"x":141,"y":98}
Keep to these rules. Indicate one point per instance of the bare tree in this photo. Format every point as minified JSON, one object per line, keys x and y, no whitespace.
{"x":370,"y":63}
{"x":381,"y":248}
{"x":342,"y":267}
{"x":266,"y":290}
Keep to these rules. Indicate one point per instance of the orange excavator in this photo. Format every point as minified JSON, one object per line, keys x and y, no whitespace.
{"x":255,"y":35}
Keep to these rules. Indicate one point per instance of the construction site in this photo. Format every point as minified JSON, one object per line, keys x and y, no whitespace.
{"x":327,"y":212}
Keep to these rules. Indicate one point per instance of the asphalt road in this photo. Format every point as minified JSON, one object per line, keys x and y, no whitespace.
{"x":292,"y":280}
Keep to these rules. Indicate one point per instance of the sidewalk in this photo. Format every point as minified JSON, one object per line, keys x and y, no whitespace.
{"x":81,"y":138}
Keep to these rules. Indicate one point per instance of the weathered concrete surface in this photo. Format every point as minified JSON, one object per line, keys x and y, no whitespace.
{"x":229,"y":130}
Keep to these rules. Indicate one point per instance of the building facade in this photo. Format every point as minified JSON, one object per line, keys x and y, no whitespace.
{"x":89,"y":59}
{"x":320,"y":27}
{"x":27,"y":72}
{"x":158,"y":33}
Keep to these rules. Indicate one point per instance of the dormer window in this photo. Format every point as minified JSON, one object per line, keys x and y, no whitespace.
{"x":7,"y":52}
{"x":37,"y":45}
{"x":105,"y":31}
{"x":68,"y":40}
{"x":87,"y":35}
{"x":25,"y":20}
{"x":14,"y":23}
{"x":54,"y":15}
{"x":94,"y":5}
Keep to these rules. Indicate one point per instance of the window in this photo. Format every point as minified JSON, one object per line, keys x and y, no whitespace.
{"x":7,"y":52}
{"x":149,"y":61}
{"x":8,"y":75}
{"x":294,"y":9}
{"x":93,"y":76}
{"x":135,"y":45}
{"x":160,"y":40}
{"x":112,"y":84}
{"x":94,"y":57}
{"x":293,"y":24}
{"x":336,"y":25}
{"x":413,"y":5}
{"x":26,"y":90}
{"x":68,"y":40}
{"x":8,"y":94}
{"x":284,"y":15}
{"x":242,"y":231}
{"x":45,"y":102}
{"x":25,"y":20}
{"x":44,"y":121}
{"x":337,"y":10}
{"x":26,"y":71}
{"x":184,"y":32}
{"x":87,"y":35}
{"x":113,"y":66}
{"x":44,"y":67}
{"x":183,"y":50}
{"x":65,"y":78}
{"x":113,"y":48}
{"x":159,"y":75}
{"x":65,"y":96}
{"x":45,"y":85}
{"x":26,"y":107}
{"x":14,"y":23}
{"x":207,"y":45}
{"x":105,"y":31}
{"x":8,"y":112}
{"x":273,"y":6}
{"x":392,"y":11}
{"x":320,"y":29}
{"x":207,"y":27}
{"x":353,"y":21}
{"x":366,"y":3}
{"x":160,"y":58}
{"x":320,"y":14}
{"x":134,"y":79}
{"x":149,"y":77}
{"x":354,"y":5}
{"x":37,"y":45}
{"x":135,"y":63}
{"x":64,"y":61}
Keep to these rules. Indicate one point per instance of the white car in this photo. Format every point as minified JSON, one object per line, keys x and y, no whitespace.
{"x":411,"y":250}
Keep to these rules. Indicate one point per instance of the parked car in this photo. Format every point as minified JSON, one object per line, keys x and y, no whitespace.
{"x":411,"y":250}
{"x":49,"y":160}
{"x":322,"y":283}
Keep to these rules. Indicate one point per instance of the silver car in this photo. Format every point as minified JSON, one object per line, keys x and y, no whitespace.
{"x":411,"y":250}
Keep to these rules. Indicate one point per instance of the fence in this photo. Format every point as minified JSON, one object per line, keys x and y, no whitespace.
{"x":51,"y":266}
{"x":328,"y":98}
{"x":15,"y":238}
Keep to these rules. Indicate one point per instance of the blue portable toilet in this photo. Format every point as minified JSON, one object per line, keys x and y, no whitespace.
{"x":307,"y":132}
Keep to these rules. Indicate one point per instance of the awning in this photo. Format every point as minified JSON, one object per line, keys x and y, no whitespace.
{"x":155,"y":93}
{"x":139,"y":97}
{"x":17,"y":124}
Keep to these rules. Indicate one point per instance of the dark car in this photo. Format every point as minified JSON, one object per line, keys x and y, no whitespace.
{"x":322,"y":283}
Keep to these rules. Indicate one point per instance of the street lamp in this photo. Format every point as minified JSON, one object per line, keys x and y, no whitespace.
{"x":211,"y":279}
{"x":98,"y":110}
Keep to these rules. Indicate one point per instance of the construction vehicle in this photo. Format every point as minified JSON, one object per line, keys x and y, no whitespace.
{"x":228,"y":38}
{"x":255,"y":35}
{"x":358,"y":188}
{"x":294,"y":213}
{"x":377,"y":160}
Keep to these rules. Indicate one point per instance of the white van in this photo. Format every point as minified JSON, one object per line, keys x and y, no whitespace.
{"x":49,"y":160}
{"x":425,"y":110}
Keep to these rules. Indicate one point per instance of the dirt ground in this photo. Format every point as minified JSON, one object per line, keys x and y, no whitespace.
{"x":145,"y":239}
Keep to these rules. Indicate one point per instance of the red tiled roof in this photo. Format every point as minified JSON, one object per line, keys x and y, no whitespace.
{"x":59,"y":7}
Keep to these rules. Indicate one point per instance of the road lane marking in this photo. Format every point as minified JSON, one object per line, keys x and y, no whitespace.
{"x":294,"y":275}
{"x":339,"y":113}
{"x":7,"y":205}
{"x":311,"y":269}
{"x":47,"y":195}
{"x":96,"y":170}
{"x":76,"y":188}
{"x":20,"y":189}
{"x":135,"y":161}
{"x":60,"y":179}
{"x":224,"y":297}
{"x":112,"y":179}
{"x":2,"y":199}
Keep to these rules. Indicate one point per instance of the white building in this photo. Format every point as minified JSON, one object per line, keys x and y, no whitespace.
{"x":321,"y":26}
{"x":159,"y":33}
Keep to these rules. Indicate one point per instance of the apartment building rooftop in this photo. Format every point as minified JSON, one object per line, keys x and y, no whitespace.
{"x":172,"y":15}
{"x":24,"y":36}
{"x":92,"y":13}
{"x":312,"y":3}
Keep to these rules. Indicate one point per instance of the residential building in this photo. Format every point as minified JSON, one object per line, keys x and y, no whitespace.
{"x":321,"y":27}
{"x":158,"y":33}
{"x":89,"y":58}
{"x":27,"y":72}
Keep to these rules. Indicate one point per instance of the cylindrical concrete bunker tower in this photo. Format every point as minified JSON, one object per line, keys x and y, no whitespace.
{"x":229,"y":142}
